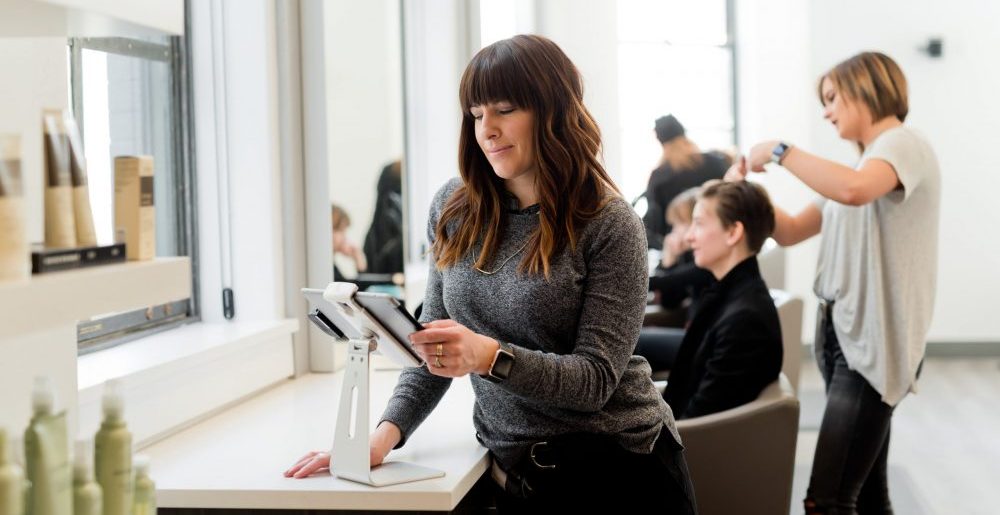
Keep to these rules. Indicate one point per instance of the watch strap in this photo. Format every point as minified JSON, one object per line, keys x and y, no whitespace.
{"x":503,"y":362}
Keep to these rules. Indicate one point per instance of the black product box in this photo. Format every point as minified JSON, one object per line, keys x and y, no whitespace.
{"x":45,"y":260}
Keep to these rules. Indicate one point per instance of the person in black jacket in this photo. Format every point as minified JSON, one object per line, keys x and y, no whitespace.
{"x":732,"y":348}
{"x":683,"y":166}
{"x":384,"y":242}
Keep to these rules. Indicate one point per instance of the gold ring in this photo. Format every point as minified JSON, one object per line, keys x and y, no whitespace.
{"x":437,"y":362}
{"x":440,"y":350}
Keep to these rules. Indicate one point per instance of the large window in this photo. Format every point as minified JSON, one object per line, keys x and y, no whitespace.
{"x":675,"y":58}
{"x":130,"y":97}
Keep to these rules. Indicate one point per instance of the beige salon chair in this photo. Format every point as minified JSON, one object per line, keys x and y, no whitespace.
{"x":742,"y":459}
{"x":790,"y":317}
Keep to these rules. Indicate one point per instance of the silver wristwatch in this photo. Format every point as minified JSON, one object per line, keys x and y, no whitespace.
{"x":779,"y":151}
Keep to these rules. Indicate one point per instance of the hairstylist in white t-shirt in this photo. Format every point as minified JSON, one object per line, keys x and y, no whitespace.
{"x":875,"y":277}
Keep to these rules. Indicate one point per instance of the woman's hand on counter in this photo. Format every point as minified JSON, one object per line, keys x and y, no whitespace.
{"x":382,"y":440}
{"x":312,"y":462}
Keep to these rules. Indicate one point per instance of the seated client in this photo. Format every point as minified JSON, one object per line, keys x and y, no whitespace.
{"x":732,"y":348}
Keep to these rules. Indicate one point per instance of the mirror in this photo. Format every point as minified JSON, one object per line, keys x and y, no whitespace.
{"x":364,"y":82}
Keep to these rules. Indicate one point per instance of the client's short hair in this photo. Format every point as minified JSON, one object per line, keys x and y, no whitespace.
{"x":745,"y":202}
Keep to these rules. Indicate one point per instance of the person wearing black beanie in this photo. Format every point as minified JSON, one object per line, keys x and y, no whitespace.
{"x":682,"y":166}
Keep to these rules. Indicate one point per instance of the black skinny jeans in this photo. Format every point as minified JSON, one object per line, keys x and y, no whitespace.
{"x":849,"y":469}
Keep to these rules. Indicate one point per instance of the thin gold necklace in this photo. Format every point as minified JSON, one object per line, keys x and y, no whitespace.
{"x":504,"y":262}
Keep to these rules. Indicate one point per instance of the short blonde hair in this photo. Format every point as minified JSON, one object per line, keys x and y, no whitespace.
{"x":873,"y":79}
{"x":681,"y":208}
{"x":340,"y":219}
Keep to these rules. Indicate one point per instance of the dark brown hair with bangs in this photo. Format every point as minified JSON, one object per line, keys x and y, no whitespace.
{"x":532,"y":73}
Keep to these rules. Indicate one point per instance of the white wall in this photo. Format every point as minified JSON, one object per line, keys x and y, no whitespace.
{"x":775,"y":97}
{"x":36,"y":77}
{"x":364,"y":86}
{"x":588,"y":32}
{"x":437,"y":48}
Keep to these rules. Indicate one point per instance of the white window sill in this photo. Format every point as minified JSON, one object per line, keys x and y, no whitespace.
{"x":174,"y":378}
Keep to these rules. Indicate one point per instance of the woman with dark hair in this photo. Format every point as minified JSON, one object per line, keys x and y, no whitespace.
{"x":537,"y":293}
{"x":682,"y":166}
{"x":876,"y":273}
{"x":384,"y":241}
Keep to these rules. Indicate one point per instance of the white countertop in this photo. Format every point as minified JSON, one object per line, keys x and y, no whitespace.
{"x":236,"y":459}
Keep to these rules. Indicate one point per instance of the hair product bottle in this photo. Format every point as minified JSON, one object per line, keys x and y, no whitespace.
{"x":15,"y":262}
{"x":82,"y":214}
{"x":113,"y":453}
{"x":86,"y":493}
{"x":134,"y":210}
{"x":145,"y":489}
{"x":11,"y":479}
{"x":60,"y":228}
{"x":47,"y":456}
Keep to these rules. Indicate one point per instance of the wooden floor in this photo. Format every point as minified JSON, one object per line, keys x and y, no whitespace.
{"x":944,"y":455}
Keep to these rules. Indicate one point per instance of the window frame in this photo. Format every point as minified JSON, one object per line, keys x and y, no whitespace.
{"x":102,"y":333}
{"x":728,"y":46}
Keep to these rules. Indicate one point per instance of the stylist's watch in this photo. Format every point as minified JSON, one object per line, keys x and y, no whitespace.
{"x":503,"y":362}
{"x":779,"y":151}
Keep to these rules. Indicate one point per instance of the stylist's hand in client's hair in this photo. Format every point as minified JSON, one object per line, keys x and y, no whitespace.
{"x":453,"y":350}
{"x":737,"y":172}
{"x":382,"y":440}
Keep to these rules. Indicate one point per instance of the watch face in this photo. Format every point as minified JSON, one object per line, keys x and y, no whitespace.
{"x":502,"y":365}
{"x":778,"y":152}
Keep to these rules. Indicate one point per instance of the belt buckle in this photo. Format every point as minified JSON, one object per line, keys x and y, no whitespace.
{"x":534,"y":458}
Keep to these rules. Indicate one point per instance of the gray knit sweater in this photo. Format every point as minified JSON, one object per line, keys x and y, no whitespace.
{"x":572,"y":338}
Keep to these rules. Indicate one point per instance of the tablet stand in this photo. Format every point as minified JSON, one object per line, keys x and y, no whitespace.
{"x":350,"y":457}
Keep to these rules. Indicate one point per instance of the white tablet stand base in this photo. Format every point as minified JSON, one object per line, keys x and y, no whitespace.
{"x":350,"y":457}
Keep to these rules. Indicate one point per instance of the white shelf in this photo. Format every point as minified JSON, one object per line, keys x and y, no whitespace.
{"x":59,"y":298}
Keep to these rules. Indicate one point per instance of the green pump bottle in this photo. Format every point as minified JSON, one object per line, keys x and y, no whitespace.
{"x":113,"y":453}
{"x":145,"y":489}
{"x":47,"y":455}
{"x":11,"y":480}
{"x":86,"y":493}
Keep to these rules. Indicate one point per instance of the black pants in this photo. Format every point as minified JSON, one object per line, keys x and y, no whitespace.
{"x":593,"y":473}
{"x":659,"y":345}
{"x":849,"y":473}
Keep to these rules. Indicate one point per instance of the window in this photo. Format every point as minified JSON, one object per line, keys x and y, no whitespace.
{"x":130,"y":97}
{"x":674,"y":57}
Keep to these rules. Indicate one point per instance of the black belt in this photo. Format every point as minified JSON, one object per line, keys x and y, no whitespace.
{"x":514,"y":480}
{"x":545,"y":460}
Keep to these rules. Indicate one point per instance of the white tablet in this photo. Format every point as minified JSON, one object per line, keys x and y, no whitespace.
{"x":343,"y":312}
